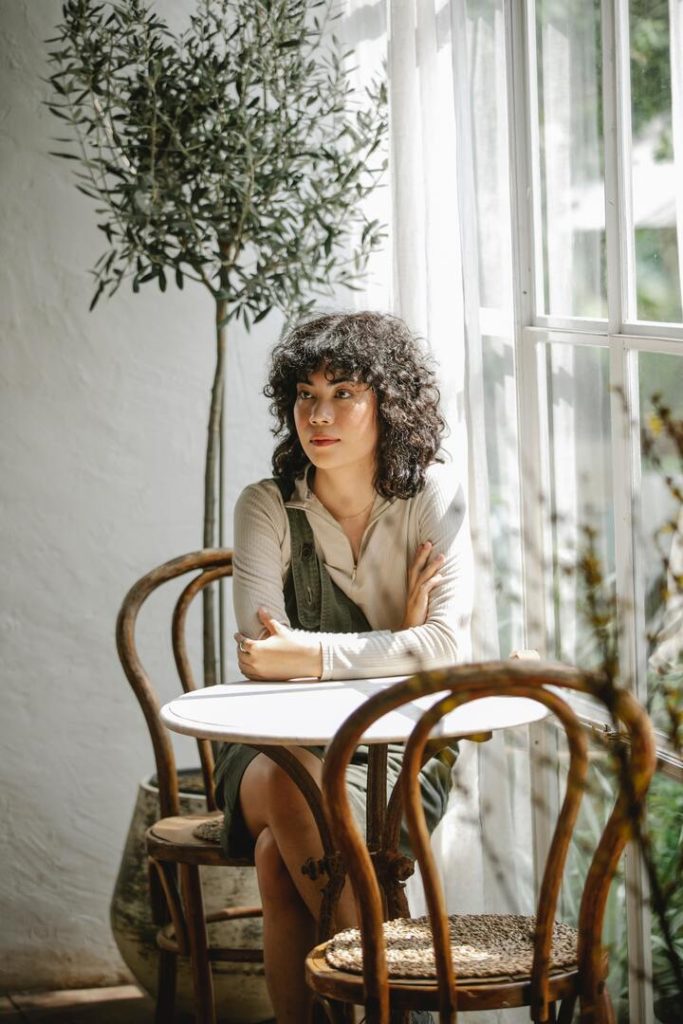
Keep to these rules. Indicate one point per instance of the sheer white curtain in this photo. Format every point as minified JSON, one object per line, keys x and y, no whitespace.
{"x":676,"y":50}
{"x":435,"y":93}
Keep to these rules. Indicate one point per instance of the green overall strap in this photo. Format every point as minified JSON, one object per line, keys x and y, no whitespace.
{"x":313,"y":601}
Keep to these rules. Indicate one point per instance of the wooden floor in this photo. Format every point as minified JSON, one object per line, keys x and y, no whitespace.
{"x":124,"y":1004}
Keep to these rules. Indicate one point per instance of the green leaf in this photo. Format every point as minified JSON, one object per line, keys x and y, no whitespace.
{"x":98,"y":292}
{"x":179,"y":280}
{"x":262,"y":315}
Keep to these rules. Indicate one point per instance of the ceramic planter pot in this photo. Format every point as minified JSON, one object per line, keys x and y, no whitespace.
{"x":241,"y":996}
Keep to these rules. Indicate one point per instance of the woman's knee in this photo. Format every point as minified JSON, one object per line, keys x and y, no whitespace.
{"x":269,"y":797}
{"x":280,"y":791}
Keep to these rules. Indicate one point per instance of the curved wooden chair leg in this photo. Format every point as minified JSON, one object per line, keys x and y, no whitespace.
{"x":334,"y":1012}
{"x":202,"y":979}
{"x":167,"y":973}
{"x":566,"y":1010}
{"x":606,"y":1014}
{"x":168,"y":961}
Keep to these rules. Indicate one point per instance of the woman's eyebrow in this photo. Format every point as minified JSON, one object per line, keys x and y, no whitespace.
{"x":333,"y":380}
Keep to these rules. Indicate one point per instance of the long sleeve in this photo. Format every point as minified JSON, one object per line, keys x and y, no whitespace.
{"x":261,"y":557}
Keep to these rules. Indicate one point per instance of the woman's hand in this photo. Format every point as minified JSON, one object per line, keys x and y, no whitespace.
{"x":279,"y":653}
{"x":423,"y":576}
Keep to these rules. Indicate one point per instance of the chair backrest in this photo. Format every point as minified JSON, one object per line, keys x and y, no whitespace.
{"x":209,"y":565}
{"x":461,"y":685}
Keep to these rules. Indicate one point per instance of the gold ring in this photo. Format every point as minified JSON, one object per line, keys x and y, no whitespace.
{"x":242,"y":647}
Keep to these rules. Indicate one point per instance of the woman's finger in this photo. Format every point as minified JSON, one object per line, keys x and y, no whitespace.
{"x":431,"y":567}
{"x":244,"y":643}
{"x":418,"y":564}
{"x":268,"y":621}
{"x":426,"y":585}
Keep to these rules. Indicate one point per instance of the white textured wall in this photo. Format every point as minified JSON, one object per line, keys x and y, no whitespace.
{"x":102,"y":431}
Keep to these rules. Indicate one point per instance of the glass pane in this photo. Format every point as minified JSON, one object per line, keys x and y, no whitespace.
{"x":490,"y":153}
{"x":665,"y":820}
{"x":571,"y":246}
{"x":656,"y":157}
{"x":500,"y":411}
{"x":661,"y":413}
{"x":581,"y":508}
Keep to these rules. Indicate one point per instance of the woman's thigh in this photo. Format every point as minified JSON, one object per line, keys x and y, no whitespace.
{"x":268,"y":794}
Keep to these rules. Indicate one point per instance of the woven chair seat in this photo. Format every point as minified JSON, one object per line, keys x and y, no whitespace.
{"x":209,"y":831}
{"x":483,"y":946}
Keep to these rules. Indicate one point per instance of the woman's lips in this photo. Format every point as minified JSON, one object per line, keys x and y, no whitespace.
{"x":323,"y":442}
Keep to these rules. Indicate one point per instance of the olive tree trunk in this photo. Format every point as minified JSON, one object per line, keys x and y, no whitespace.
{"x":212,"y":479}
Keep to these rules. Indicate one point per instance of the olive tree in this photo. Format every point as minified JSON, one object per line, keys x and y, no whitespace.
{"x":235,"y":153}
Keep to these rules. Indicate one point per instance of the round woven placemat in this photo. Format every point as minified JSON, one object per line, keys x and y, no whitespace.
{"x":482,"y":945}
{"x":209,"y":831}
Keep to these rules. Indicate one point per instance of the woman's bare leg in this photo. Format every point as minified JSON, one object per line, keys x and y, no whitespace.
{"x":270,"y":799}
{"x":288,"y":934}
{"x":280,"y":820}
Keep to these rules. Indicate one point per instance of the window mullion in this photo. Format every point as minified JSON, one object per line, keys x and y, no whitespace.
{"x":616,"y":99}
{"x":532,"y":413}
{"x":676,"y":57}
{"x":625,"y":444}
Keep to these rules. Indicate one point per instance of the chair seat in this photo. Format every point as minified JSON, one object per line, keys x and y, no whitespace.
{"x":190,"y":839}
{"x":485,"y":947}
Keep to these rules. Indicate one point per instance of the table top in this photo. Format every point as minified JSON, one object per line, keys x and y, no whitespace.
{"x":310,"y":713}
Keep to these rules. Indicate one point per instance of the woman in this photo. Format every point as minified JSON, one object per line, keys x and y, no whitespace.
{"x":354,"y":561}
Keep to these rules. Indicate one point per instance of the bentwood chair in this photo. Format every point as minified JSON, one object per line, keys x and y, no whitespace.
{"x":478,"y":962}
{"x":178,"y":845}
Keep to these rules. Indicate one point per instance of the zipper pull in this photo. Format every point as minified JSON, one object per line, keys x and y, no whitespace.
{"x":353,"y":574}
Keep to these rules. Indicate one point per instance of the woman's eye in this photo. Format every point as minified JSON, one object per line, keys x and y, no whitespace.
{"x":343,"y":393}
{"x":303,"y":394}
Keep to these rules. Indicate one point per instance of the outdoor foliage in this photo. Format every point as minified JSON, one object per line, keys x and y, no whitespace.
{"x":660,"y":837}
{"x":236,"y":154}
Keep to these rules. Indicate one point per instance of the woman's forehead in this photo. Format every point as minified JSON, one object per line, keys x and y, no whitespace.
{"x":331,"y":372}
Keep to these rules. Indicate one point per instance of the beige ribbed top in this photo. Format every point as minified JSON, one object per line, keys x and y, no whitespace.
{"x":377,"y":583}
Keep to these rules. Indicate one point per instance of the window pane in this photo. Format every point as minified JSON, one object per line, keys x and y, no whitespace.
{"x":500,"y":410}
{"x":490,"y":154}
{"x":570,"y":159}
{"x":661,"y":388}
{"x":656,"y":158}
{"x":581,"y":507}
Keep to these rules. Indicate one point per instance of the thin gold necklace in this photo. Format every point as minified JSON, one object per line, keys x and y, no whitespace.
{"x":355,"y":515}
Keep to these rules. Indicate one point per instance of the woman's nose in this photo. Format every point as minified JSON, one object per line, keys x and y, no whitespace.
{"x":321,"y":411}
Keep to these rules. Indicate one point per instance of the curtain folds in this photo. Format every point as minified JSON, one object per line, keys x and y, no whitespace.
{"x":441,"y":56}
{"x":447,"y":272}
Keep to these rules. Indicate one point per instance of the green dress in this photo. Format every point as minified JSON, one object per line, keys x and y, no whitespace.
{"x":315,"y":603}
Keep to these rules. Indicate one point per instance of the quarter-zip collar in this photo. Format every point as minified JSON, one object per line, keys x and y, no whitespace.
{"x":304,"y":498}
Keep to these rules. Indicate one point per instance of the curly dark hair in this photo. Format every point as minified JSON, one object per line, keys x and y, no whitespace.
{"x":379,"y":350}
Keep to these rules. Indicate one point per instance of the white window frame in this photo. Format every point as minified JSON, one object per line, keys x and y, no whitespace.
{"x":624,"y":338}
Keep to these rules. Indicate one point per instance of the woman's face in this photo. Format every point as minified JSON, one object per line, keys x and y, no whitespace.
{"x":336,"y":420}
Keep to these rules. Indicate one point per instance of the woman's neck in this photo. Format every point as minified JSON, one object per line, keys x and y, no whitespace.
{"x":345,"y":495}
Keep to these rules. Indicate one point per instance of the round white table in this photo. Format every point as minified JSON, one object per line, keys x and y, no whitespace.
{"x":274,"y":716}
{"x":308,"y":713}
